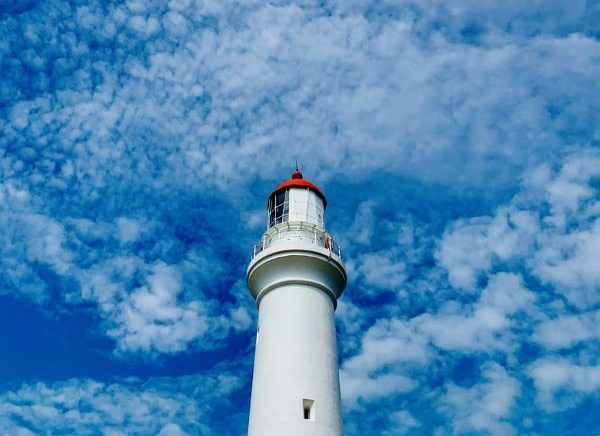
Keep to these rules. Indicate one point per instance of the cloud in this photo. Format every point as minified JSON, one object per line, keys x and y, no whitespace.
{"x":485,"y":407}
{"x":377,"y":370}
{"x":157,"y":307}
{"x":166,"y":406}
{"x":487,"y":325}
{"x":193,"y":100}
{"x":30,"y":240}
{"x":550,"y":228}
{"x":111,"y":110}
{"x":568,"y":330}
{"x":488,"y":21}
{"x":381,"y":270}
{"x":373,"y":387}
{"x":147,"y":305}
{"x":391,"y":350}
{"x":489,"y":311}
{"x":139,"y":138}
{"x":383,"y":253}
{"x":389,"y":340}
{"x":405,"y":422}
{"x":561,"y":384}
{"x":152,"y":318}
{"x":470,"y":246}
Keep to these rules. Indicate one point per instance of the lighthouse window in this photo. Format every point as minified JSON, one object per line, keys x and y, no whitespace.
{"x":279,"y":208}
{"x":308,"y":406}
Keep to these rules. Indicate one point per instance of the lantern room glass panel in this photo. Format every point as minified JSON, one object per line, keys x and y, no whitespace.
{"x":279,"y":208}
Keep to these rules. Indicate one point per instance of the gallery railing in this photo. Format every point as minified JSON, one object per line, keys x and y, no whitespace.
{"x":297,"y":233}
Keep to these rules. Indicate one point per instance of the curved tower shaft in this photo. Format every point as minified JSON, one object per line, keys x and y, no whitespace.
{"x":296,"y":276}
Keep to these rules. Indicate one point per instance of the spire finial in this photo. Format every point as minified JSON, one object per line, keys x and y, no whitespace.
{"x":297,"y":174}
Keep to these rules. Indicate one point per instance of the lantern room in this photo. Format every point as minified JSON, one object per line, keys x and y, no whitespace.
{"x":297,"y":199}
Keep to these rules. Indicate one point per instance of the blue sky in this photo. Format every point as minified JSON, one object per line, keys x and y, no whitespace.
{"x":457,"y":143}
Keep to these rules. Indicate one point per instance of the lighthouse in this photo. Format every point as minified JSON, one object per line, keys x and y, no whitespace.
{"x":296,"y":276}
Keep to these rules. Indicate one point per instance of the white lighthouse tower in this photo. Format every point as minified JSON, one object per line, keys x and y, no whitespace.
{"x":296,"y":276}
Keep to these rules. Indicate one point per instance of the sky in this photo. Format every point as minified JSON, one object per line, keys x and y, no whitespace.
{"x":458,"y":146}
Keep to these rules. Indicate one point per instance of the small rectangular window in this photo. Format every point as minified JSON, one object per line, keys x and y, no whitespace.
{"x":308,"y":406}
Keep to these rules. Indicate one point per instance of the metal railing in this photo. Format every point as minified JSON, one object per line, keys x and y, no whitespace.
{"x":297,"y":233}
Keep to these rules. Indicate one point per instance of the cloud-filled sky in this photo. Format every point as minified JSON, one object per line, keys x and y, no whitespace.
{"x":457,"y":143}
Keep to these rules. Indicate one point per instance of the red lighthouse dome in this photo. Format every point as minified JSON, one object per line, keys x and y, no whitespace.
{"x":298,"y":181}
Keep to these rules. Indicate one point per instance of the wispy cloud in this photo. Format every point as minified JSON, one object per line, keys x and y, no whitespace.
{"x":139,"y":139}
{"x":165,"y":406}
{"x":498,"y":303}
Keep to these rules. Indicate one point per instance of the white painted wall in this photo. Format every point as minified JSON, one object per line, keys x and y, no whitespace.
{"x":296,"y":286}
{"x":296,"y":359}
{"x":305,"y":205}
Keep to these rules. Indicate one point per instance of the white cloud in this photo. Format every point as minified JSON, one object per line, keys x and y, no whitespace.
{"x":487,"y":325}
{"x":169,"y":406}
{"x":146,"y":306}
{"x":469,"y":247}
{"x":568,"y":330}
{"x":384,"y":347}
{"x":544,"y":236}
{"x":561,"y":384}
{"x":485,"y":407}
{"x":369,"y":388}
{"x":506,"y":293}
{"x":145,"y":115}
{"x":29,"y":239}
{"x":122,"y":116}
{"x":152,"y":308}
{"x":481,"y":330}
{"x":152,"y":318}
{"x":399,"y":348}
{"x":340,"y":88}
{"x":404,"y":422}
{"x":552,"y":227}
{"x":389,"y":249}
{"x":241,"y":319}
{"x":361,"y":230}
{"x":389,"y":342}
{"x":129,"y":229}
{"x":568,"y":261}
{"x":381,"y":270}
